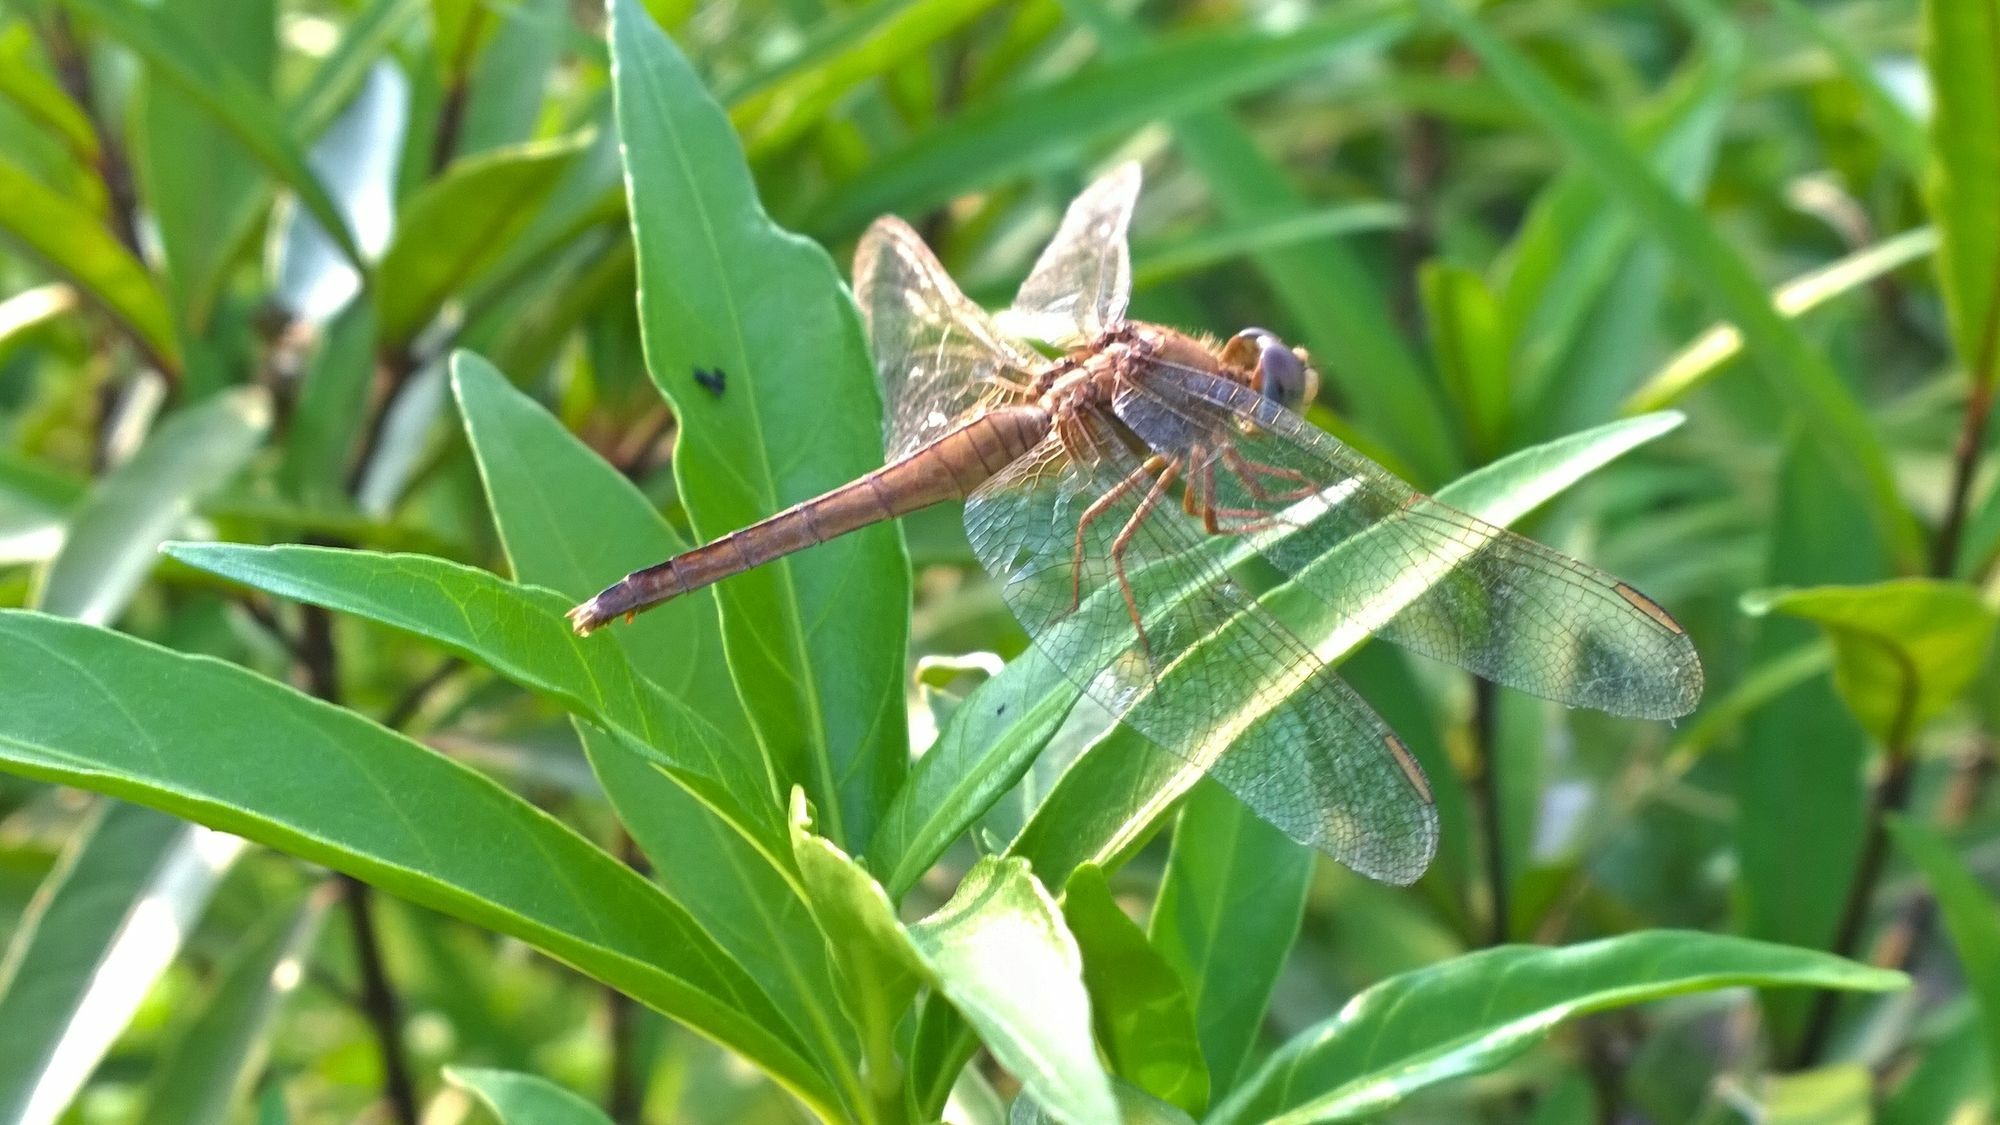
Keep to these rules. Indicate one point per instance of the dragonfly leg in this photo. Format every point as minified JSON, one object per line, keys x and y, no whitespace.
{"x":1090,"y":515}
{"x":1247,"y":471}
{"x":1167,"y":471}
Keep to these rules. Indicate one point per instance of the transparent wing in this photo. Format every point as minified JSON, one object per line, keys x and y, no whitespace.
{"x":938,"y":355}
{"x":1083,"y":280}
{"x":1389,"y":559}
{"x":1210,"y":676}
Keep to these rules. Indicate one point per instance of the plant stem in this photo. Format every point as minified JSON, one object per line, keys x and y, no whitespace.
{"x":379,"y":1002}
{"x":1891,"y":796}
{"x":1485,"y":782}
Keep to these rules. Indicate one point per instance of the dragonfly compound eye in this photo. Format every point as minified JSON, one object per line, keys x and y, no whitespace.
{"x":1283,"y":376}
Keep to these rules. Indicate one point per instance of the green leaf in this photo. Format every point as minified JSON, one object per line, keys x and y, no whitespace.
{"x":1964,"y":181}
{"x":458,"y":225}
{"x":566,"y":518}
{"x":1842,"y":1094}
{"x":984,"y":749}
{"x":1144,"y":1019}
{"x":225,"y":747}
{"x":1116,"y":792}
{"x":524,"y":1099}
{"x":521,"y":633}
{"x":1228,"y":911}
{"x":1709,"y":353}
{"x":1001,"y":954}
{"x":1971,"y":918}
{"x":357,"y":154}
{"x":331,"y":410}
{"x":1900,"y":133}
{"x":197,"y":180}
{"x":1797,"y":373}
{"x":1477,"y":1011}
{"x":26,"y":83}
{"x":1157,"y":263}
{"x":816,"y":641}
{"x":1802,"y":759}
{"x":1904,"y":649}
{"x":104,"y":925}
{"x":1472,"y":344}
{"x":248,"y":113}
{"x":996,"y":139}
{"x":72,"y":241}
{"x":845,"y":49}
{"x":1135,"y":1107}
{"x":878,"y":966}
{"x":211,"y":1063}
{"x":114,"y":538}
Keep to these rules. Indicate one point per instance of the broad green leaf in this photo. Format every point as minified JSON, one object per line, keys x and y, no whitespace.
{"x":1964,"y":181}
{"x":115,"y":536}
{"x":1800,"y":763}
{"x":524,"y":1099}
{"x":222,"y":746}
{"x":104,"y":925}
{"x":1798,"y":373}
{"x":879,"y":968}
{"x":1477,"y":1011}
{"x":250,"y":115}
{"x":1710,"y":352}
{"x":566,"y":519}
{"x":197,"y":180}
{"x":816,"y":641}
{"x":1971,"y":919}
{"x":1227,"y":913}
{"x":1005,"y":136}
{"x":1144,"y":1020}
{"x":209,"y":1067}
{"x":1471,"y":341}
{"x":984,"y":749}
{"x":1903,"y":650}
{"x":1135,"y":1107}
{"x":521,"y":633}
{"x":73,"y":242}
{"x":1116,"y":792}
{"x":1000,"y":953}
{"x":845,"y":49}
{"x":458,"y":225}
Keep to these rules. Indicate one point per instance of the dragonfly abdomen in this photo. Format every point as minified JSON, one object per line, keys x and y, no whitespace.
{"x":946,"y":469}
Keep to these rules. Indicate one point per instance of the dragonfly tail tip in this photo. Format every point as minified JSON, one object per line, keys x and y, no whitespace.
{"x":585,"y":618}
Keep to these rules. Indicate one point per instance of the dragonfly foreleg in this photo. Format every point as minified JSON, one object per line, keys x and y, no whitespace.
{"x":1167,"y":471}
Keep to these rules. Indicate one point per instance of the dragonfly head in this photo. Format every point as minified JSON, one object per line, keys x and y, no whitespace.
{"x":1279,"y":372}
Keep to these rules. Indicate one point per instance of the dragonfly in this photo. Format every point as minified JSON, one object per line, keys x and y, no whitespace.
{"x":1117,"y":478}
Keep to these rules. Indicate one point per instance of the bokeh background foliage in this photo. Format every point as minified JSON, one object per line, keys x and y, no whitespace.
{"x":324,"y":392}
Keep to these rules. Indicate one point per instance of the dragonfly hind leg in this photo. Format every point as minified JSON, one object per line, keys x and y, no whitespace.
{"x":1167,"y":471}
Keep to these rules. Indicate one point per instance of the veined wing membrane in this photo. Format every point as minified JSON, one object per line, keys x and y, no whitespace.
{"x":1501,"y":606}
{"x":938,"y":354}
{"x":1210,"y":676}
{"x":1082,"y":281}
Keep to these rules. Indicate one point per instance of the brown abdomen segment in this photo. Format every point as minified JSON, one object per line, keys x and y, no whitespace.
{"x":946,"y":469}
